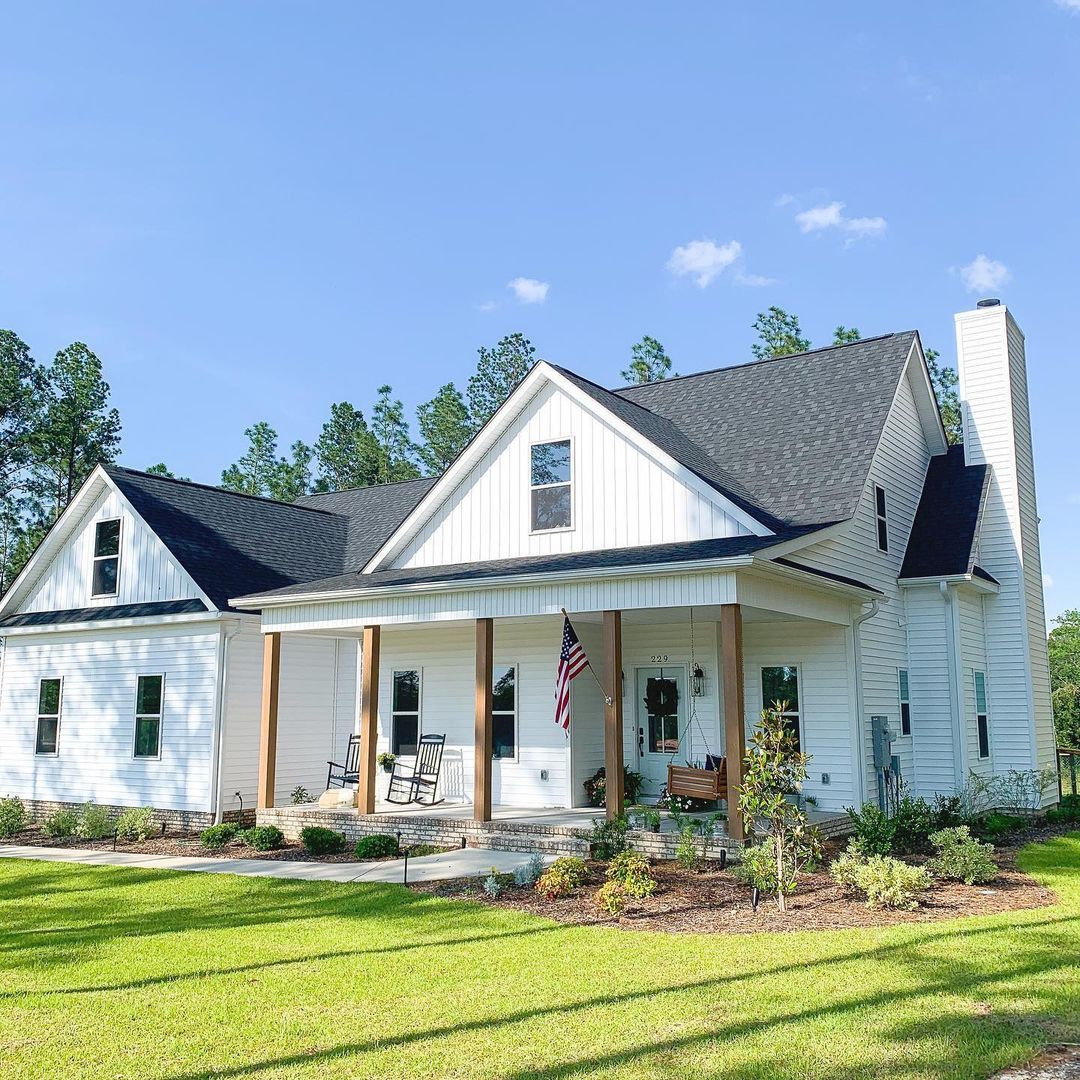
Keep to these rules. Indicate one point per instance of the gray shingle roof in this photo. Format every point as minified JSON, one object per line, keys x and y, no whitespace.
{"x":104,"y":614}
{"x":538,"y":564}
{"x":946,"y":525}
{"x":233,"y":544}
{"x":796,"y":433}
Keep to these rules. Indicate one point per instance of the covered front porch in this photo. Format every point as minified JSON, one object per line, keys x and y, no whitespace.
{"x":487,"y":684}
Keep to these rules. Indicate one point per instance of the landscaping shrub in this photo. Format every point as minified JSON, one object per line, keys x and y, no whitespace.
{"x":492,"y":885}
{"x":611,"y":897}
{"x":215,"y":837}
{"x":416,"y":851}
{"x":888,"y":882}
{"x":377,"y":846}
{"x":300,"y":795}
{"x":95,"y":822}
{"x":757,"y":867}
{"x":562,"y":877}
{"x":960,"y":857}
{"x":912,"y":824}
{"x":631,"y":870}
{"x":13,"y":816}
{"x":320,"y":841}
{"x":530,"y":873}
{"x":596,"y":786}
{"x":947,"y":812}
{"x":686,"y":853}
{"x":846,"y":868}
{"x":996,"y":825}
{"x":608,"y":838}
{"x":135,"y":824}
{"x":1067,"y":812}
{"x":263,"y":837}
{"x":873,"y":830}
{"x":61,"y":823}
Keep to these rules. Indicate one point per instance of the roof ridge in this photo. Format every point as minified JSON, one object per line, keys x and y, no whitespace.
{"x":110,"y":468}
{"x":369,"y":487}
{"x":620,"y":390}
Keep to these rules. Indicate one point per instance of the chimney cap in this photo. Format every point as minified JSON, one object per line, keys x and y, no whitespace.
{"x":990,"y":301}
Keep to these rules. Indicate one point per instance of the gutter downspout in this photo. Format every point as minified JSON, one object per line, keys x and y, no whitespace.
{"x":956,"y":688}
{"x":229,"y":631}
{"x":860,"y":742}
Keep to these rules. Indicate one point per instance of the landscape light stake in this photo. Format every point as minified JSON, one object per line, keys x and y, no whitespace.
{"x":723,"y":858}
{"x":405,"y":870}
{"x":755,"y":898}
{"x":116,"y":833}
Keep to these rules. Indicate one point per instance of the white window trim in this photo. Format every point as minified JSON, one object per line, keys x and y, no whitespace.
{"x":419,"y":713}
{"x":571,"y":484}
{"x":59,"y":716}
{"x":802,"y":705}
{"x":512,"y":760}
{"x":138,"y":715}
{"x":975,"y":673}
{"x":101,"y":558}
{"x":881,"y":518}
{"x":900,"y":697}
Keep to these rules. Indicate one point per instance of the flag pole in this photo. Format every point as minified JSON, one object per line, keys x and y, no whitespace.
{"x":588,"y":663}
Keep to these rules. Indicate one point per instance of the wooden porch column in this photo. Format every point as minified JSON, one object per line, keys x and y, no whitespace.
{"x":268,"y":722}
{"x":482,"y":751}
{"x":613,"y":718}
{"x":369,"y":718}
{"x":731,"y":649}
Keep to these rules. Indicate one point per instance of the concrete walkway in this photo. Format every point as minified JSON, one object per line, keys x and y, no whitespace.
{"x":464,"y":862}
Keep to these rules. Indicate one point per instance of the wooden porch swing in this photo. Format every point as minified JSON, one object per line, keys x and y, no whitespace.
{"x":691,"y":781}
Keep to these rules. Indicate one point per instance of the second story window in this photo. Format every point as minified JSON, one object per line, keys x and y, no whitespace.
{"x":550,"y":483}
{"x":882,"y":519}
{"x":106,"y":558}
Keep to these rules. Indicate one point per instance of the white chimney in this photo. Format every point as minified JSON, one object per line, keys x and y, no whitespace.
{"x":997,"y":432}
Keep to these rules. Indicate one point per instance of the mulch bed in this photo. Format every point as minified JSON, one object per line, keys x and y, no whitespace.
{"x":187,"y":843}
{"x":710,"y":900}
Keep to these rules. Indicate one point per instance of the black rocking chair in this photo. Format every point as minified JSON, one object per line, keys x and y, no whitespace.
{"x":409,"y":784}
{"x":340,"y":775}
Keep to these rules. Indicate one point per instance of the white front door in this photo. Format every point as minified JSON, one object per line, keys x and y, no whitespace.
{"x":660,"y":715}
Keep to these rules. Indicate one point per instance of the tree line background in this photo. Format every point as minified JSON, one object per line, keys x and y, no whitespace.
{"x":56,"y":425}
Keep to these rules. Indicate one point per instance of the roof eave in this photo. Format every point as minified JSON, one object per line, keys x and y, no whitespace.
{"x":976,"y":582}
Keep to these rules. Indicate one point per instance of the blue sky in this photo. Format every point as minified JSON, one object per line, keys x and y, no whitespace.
{"x":250,"y":210}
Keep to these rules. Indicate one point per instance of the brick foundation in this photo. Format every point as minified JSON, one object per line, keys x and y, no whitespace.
{"x":183,"y":820}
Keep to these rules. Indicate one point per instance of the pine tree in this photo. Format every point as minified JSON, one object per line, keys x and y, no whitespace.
{"x":779,"y":334}
{"x":292,"y":477}
{"x":397,"y":455}
{"x":498,"y":371}
{"x":21,"y":385}
{"x":78,"y":430}
{"x":346,"y":451}
{"x":445,"y":427}
{"x":944,"y":380}
{"x":648,"y":362}
{"x":846,"y":335}
{"x":259,"y":471}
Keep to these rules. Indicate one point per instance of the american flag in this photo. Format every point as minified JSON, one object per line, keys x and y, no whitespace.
{"x":572,"y":662}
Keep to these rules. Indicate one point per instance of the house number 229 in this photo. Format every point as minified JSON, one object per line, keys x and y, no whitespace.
{"x":659,"y":658}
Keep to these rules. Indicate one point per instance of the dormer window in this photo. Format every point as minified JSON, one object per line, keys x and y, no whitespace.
{"x":106,"y":558}
{"x":550,"y":479}
{"x":882,"y":519}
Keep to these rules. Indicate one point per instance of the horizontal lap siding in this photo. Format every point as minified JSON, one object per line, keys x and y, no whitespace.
{"x":931,"y":702}
{"x":648,"y":504}
{"x":446,"y":657}
{"x":821,"y":653}
{"x":899,"y":466}
{"x":972,"y":658}
{"x":98,"y":716}
{"x":148,"y":572}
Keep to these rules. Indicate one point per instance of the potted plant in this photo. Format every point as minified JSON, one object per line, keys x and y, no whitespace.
{"x":652,"y":820}
{"x":386,"y":761}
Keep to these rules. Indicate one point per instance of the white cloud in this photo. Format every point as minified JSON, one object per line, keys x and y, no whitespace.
{"x":1068,"y":5}
{"x":754,"y":281}
{"x":785,"y":200}
{"x":984,"y":274}
{"x":704,"y":259}
{"x":529,"y":290}
{"x":831,"y":216}
{"x":487,"y":305}
{"x":1048,"y":581}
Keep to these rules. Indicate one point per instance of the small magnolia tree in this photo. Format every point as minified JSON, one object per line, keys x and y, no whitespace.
{"x":775,"y":768}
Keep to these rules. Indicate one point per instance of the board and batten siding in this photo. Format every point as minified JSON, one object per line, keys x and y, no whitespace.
{"x":587,"y":713}
{"x":316,"y":713}
{"x":621,"y":496}
{"x":820,"y":652}
{"x":148,"y":571}
{"x":997,"y":431}
{"x":445,"y":657}
{"x":899,"y":466}
{"x":95,"y":758}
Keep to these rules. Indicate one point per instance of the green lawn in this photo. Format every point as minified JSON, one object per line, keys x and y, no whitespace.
{"x":126,"y":973}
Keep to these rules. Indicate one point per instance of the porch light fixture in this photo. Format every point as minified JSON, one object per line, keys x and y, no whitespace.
{"x":697,"y":681}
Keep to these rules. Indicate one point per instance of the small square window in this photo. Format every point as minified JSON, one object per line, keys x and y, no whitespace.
{"x":550,"y":480}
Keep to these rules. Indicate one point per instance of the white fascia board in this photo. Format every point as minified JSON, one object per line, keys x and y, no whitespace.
{"x":935,"y":432}
{"x":806,"y":540}
{"x":503,"y":581}
{"x":147,"y":622}
{"x":59,"y":534}
{"x":503,"y":417}
{"x":977,"y":583}
{"x":809,"y":577}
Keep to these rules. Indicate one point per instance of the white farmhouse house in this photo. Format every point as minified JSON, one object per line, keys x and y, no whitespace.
{"x":794,"y":529}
